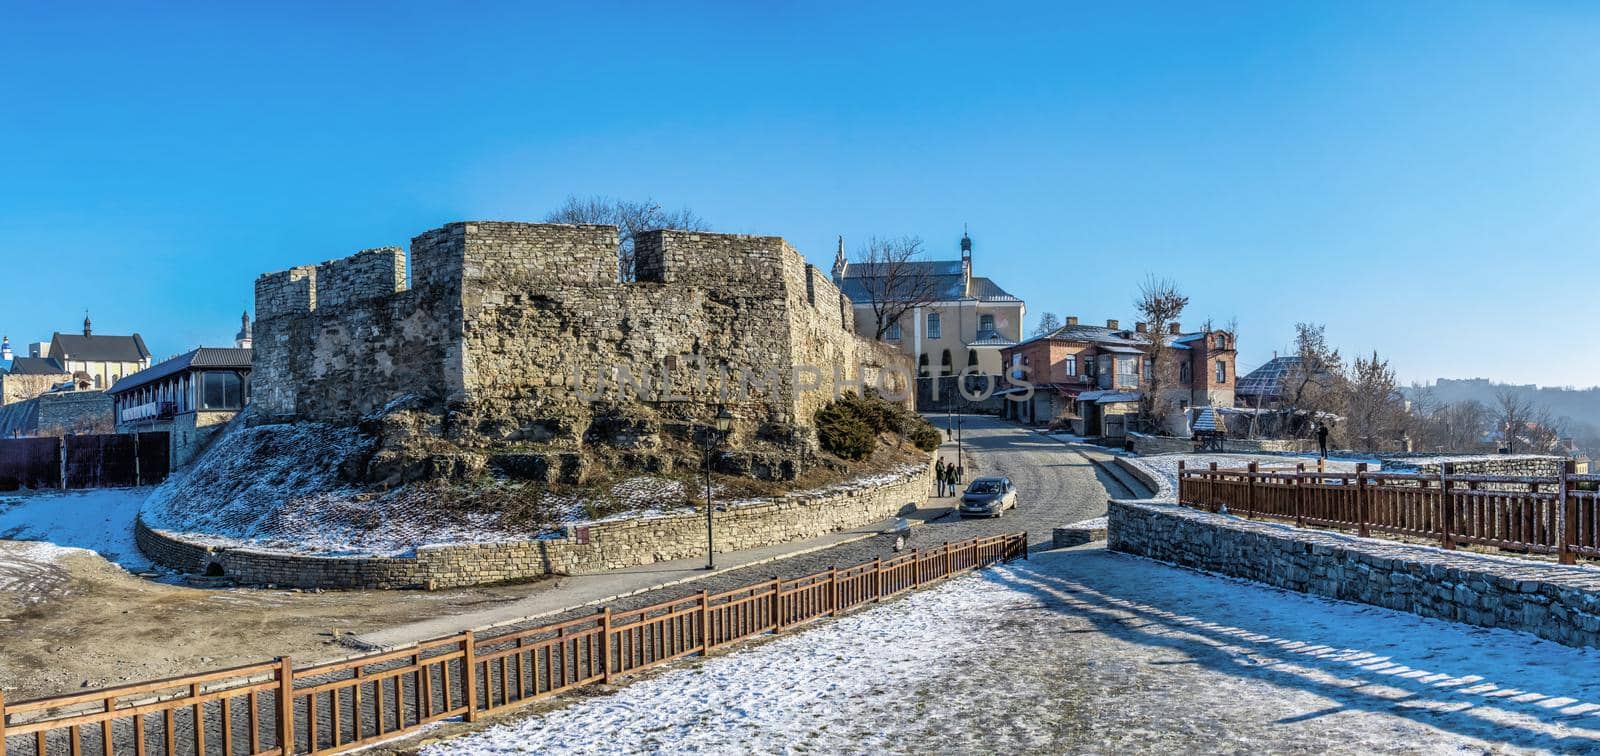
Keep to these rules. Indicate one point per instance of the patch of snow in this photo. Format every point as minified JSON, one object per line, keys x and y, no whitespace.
{"x":1085,"y":650}
{"x":99,"y":520}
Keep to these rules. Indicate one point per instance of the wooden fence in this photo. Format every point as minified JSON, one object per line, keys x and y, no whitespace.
{"x":84,"y":461}
{"x":1557,"y":514}
{"x":258,"y":708}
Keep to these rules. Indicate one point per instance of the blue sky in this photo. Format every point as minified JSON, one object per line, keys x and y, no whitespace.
{"x":1421,"y":177}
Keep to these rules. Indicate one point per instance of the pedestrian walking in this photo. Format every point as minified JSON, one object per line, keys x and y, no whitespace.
{"x":938,"y":477}
{"x":950,"y":478}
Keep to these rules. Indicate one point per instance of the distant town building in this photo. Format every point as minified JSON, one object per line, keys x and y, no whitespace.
{"x":190,"y":396}
{"x":1263,"y":387}
{"x":1090,"y":379}
{"x":245,"y":338}
{"x":969,"y":320}
{"x":99,"y":360}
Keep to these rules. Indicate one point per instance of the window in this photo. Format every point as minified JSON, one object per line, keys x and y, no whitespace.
{"x":1222,"y":371}
{"x":972,"y":358}
{"x":222,"y":391}
{"x":1185,"y":373}
{"x":892,"y":333}
{"x":933,"y":325}
{"x":944,"y":363}
{"x":985,"y":324}
{"x":1222,"y":341}
{"x":1127,"y":372}
{"x":1070,"y":364}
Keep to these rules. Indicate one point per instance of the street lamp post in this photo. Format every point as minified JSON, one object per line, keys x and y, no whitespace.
{"x":724,"y":421}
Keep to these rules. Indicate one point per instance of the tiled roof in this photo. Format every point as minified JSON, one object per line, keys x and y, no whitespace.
{"x":862,"y":289}
{"x":100,"y":348}
{"x":987,"y":290}
{"x":1119,"y":337}
{"x":1267,"y":380}
{"x":36,"y":366}
{"x":195,"y":359}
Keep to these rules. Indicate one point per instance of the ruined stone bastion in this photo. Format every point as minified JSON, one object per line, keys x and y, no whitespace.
{"x":502,"y":333}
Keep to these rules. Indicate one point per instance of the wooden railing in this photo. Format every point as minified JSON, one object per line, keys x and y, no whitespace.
{"x":326,"y":708}
{"x":1556,"y":514}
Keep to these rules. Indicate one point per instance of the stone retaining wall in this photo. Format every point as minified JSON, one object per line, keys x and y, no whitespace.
{"x":587,"y":549}
{"x":1558,"y":603}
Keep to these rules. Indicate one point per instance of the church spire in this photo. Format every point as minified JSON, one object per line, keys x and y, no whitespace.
{"x":840,"y":263}
{"x":966,"y":253}
{"x":86,"y":325}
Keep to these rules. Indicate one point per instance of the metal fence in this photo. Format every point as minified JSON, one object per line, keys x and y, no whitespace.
{"x":257,"y":709}
{"x":1556,"y":514}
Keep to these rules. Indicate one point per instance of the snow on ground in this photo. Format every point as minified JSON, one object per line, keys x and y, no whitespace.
{"x":99,"y":520}
{"x":1165,"y":466}
{"x":1089,"y":651}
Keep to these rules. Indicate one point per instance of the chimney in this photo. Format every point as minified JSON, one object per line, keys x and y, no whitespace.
{"x":1175,"y":329}
{"x":1072,"y":320}
{"x":1139,"y":326}
{"x":1112,"y":324}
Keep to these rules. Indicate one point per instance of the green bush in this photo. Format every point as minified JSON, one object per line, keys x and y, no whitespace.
{"x":849,"y":425}
{"x":925,"y":436}
{"x":841,"y":430}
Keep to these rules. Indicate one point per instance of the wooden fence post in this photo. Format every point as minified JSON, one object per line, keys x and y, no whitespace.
{"x":1250,"y":489}
{"x":469,"y":659}
{"x":1211,"y":488}
{"x":605,"y":645}
{"x":1566,"y":524}
{"x":947,"y":570}
{"x":1447,"y":515}
{"x":705,"y":624}
{"x":916,"y":569}
{"x":2,"y":723}
{"x":777,"y":604}
{"x":877,"y":579}
{"x":833,"y":591}
{"x":285,"y":706}
{"x":1299,"y":496}
{"x":1362,"y":515}
{"x":1180,"y":482}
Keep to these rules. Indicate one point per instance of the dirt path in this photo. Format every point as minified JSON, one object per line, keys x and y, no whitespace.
{"x":78,"y":621}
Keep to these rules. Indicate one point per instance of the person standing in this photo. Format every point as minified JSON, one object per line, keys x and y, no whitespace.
{"x":938,"y":477}
{"x":1322,"y":439}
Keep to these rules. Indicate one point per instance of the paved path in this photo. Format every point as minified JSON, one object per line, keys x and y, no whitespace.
{"x":1057,"y":485}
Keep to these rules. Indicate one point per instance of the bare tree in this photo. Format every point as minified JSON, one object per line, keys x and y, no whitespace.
{"x":631,"y":219}
{"x":1313,"y":385}
{"x":895,"y":278}
{"x":1374,"y":410}
{"x":1512,"y":413}
{"x":1159,"y":303}
{"x":1048,"y":323}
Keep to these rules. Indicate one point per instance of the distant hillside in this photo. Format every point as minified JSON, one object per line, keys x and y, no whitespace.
{"x":1581,"y":407}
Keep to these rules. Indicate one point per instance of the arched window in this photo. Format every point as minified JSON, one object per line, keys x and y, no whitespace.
{"x":922,"y":363}
{"x":945,"y":363}
{"x":972,"y":358}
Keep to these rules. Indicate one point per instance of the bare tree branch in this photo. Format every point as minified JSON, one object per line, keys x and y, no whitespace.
{"x":631,"y":219}
{"x":895,"y":279}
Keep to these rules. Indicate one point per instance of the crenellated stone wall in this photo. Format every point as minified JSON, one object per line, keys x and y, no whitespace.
{"x":515,"y":333}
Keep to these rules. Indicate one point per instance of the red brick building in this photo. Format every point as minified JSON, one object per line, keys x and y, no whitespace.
{"x":1089,"y":379}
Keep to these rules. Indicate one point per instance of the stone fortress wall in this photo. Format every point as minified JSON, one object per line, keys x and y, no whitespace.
{"x":502,"y":328}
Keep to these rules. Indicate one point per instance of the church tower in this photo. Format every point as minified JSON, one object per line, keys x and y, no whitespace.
{"x":244,"y":338}
{"x":840,"y":263}
{"x":966,"y":256}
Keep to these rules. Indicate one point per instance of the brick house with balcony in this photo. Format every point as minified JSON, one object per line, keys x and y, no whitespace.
{"x":1089,"y":380}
